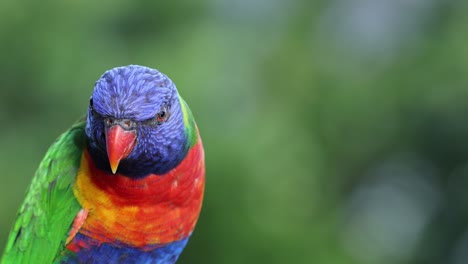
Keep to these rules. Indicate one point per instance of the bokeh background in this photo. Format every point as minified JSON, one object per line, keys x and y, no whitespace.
{"x":335,"y":131}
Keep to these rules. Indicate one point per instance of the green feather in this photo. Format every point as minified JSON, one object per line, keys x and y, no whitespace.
{"x":189,"y":122}
{"x":45,"y":218}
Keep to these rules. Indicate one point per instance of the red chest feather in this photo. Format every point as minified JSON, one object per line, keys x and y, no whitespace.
{"x":140,"y":212}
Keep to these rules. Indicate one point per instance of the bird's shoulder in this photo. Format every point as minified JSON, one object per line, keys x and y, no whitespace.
{"x":46,"y":215}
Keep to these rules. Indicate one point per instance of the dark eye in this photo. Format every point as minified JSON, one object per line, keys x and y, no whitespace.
{"x":91,"y":103}
{"x":162,"y":115}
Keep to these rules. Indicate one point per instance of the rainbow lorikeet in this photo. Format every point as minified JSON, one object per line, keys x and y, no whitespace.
{"x":124,"y":185}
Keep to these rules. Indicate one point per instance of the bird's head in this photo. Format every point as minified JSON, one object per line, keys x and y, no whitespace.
{"x":137,"y":125}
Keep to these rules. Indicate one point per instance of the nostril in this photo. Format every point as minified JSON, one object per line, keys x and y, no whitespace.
{"x":124,"y":123}
{"x":109,"y":121}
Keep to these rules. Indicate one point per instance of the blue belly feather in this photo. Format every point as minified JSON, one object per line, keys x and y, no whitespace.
{"x":92,"y":252}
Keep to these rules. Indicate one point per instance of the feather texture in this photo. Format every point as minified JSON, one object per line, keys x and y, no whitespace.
{"x":80,"y":210}
{"x":44,"y":219}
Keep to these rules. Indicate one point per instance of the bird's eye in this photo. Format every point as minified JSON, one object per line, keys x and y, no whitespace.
{"x":91,"y":103}
{"x":162,"y":115}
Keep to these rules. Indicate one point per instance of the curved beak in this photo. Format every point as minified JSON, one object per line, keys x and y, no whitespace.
{"x":119,"y":143}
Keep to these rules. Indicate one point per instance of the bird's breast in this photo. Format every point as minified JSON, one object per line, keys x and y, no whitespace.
{"x":154,"y":210}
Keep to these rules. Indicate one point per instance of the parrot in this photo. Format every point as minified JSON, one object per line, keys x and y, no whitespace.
{"x":124,"y":184}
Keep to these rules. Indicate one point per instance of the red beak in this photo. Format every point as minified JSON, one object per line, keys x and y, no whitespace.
{"x":120,"y":144}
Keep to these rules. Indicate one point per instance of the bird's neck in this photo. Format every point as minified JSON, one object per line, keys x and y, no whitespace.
{"x":156,"y":209}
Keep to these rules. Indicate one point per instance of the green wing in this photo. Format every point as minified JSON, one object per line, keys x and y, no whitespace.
{"x":46,"y":216}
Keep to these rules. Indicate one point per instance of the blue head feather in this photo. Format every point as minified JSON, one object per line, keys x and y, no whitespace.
{"x":138,"y":93}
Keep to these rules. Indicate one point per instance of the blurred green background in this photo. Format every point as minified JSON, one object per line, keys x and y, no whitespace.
{"x":335,"y":131}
